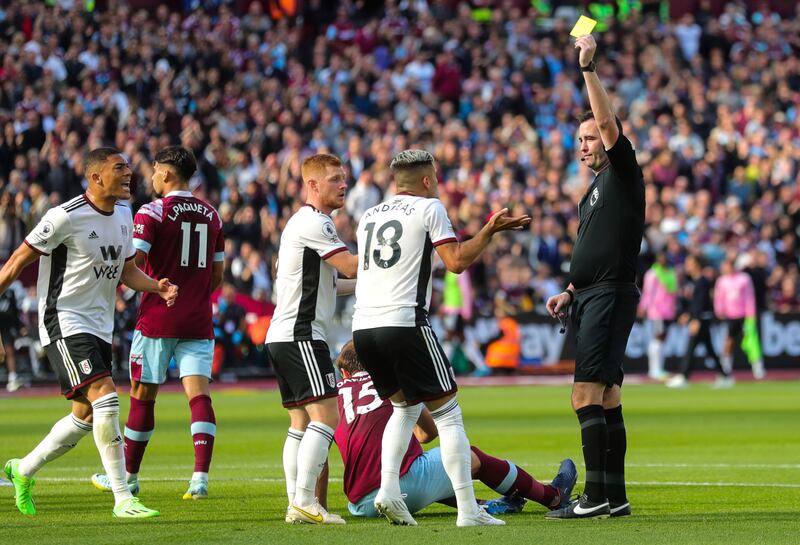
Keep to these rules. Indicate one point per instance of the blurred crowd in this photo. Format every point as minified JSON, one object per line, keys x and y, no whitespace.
{"x":710,"y":102}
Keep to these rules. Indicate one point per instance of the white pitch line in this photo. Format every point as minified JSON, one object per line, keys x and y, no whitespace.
{"x":721,"y":466}
{"x":174,"y":479}
{"x":531,"y":464}
{"x":737,"y":485}
{"x":98,"y":467}
{"x":539,"y":463}
{"x":338,"y":480}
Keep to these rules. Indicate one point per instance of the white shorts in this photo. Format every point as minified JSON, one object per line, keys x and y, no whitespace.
{"x":150,"y":357}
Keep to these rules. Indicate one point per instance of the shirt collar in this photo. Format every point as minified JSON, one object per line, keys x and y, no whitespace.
{"x":179,"y":193}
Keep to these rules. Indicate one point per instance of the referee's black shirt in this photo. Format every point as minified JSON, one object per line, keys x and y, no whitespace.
{"x":611,"y":222}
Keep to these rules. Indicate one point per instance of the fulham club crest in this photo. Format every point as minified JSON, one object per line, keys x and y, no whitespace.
{"x":86,"y":367}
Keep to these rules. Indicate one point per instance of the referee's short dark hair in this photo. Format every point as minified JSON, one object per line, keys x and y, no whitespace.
{"x":96,"y":157}
{"x":180,"y":159}
{"x":588,"y":114}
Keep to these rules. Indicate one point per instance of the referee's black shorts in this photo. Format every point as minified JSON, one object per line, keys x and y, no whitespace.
{"x":405,"y":358}
{"x":602,"y":318}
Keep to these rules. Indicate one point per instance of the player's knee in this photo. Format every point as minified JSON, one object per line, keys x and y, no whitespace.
{"x":325,"y":411}
{"x":330,"y":419}
{"x":83,"y":410}
{"x":143,"y":391}
{"x":437,"y":404}
{"x":196,"y":388}
{"x":99,"y":388}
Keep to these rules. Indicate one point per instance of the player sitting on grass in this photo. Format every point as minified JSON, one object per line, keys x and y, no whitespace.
{"x":362,"y":418}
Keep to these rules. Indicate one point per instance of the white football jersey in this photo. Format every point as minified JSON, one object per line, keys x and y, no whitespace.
{"x":395,"y":260}
{"x":83,"y":250}
{"x":305,"y":283}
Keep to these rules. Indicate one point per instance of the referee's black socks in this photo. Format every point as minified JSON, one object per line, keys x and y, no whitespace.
{"x":594,"y":438}
{"x":615,"y":458}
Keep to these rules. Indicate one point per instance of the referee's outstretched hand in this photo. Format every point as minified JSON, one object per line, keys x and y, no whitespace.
{"x":500,"y":221}
{"x":168,"y":291}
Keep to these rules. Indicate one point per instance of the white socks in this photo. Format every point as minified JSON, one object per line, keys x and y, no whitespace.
{"x":290,"y":448}
{"x":311,"y":457}
{"x":727,"y":363}
{"x":456,"y":455}
{"x":394,"y":444}
{"x":758,"y":369}
{"x":108,"y":439}
{"x":64,"y":435}
{"x":655,"y":358}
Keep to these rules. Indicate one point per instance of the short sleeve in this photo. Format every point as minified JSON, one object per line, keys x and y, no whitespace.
{"x":623,"y":159}
{"x":321,"y":236}
{"x":131,"y":253}
{"x":219,"y":246}
{"x":144,"y":229}
{"x":51,"y":231}
{"x":438,"y":224}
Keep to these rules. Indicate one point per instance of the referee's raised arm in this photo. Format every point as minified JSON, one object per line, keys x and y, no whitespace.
{"x":598,"y":98}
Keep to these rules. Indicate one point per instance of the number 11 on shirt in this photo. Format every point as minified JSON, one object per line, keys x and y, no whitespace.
{"x":186,"y":230}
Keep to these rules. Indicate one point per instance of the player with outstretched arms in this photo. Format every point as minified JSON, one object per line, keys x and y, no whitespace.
{"x":391,"y":333}
{"x":179,"y":236}
{"x":85,"y":250}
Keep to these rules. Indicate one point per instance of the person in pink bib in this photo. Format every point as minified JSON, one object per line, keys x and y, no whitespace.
{"x":735,"y":302}
{"x":658,"y":305}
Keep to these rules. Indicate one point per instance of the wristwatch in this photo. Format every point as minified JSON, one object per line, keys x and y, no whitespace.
{"x":589,"y":67}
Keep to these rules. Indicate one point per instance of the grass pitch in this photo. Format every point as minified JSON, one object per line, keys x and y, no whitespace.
{"x":704,"y":466}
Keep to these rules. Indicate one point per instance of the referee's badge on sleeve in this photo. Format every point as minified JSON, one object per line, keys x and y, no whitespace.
{"x":594,"y":197}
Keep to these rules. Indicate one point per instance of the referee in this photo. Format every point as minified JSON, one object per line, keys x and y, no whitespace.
{"x":603,"y":296}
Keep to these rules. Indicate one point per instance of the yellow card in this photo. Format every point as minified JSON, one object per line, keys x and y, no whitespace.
{"x":583,"y":27}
